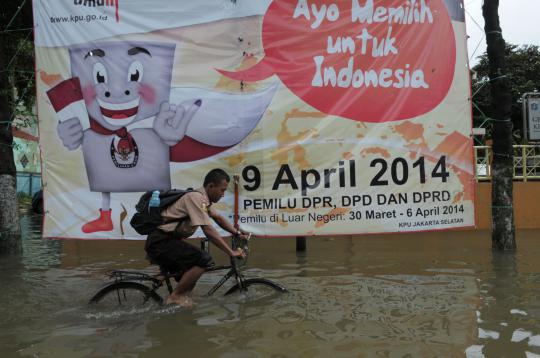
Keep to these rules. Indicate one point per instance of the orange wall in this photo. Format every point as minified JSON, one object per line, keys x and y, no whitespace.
{"x":526,"y":205}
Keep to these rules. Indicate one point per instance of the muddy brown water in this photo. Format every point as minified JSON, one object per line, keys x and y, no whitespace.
{"x":439,"y":294}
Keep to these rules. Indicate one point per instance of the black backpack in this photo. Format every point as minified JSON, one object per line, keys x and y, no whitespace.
{"x":146,"y":220}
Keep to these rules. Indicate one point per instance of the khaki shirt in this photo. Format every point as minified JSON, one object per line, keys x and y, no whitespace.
{"x":194,"y":206}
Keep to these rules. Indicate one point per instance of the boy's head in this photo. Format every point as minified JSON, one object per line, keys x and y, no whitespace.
{"x":215,"y":184}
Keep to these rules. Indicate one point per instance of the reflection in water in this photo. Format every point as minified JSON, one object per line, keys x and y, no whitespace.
{"x":410,"y":295}
{"x":510,"y":307}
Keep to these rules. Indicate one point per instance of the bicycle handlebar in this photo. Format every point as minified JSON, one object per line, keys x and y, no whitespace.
{"x":238,"y":243}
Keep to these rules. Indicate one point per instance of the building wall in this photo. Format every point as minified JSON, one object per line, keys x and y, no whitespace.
{"x":526,"y":205}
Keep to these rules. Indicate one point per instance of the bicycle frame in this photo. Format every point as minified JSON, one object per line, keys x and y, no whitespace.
{"x":233,"y":271}
{"x":157,"y":282}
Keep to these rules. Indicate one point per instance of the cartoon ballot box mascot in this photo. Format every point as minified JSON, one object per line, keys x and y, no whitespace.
{"x":117,"y":108}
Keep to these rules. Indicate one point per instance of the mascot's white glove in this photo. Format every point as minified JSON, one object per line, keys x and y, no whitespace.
{"x":71,"y":133}
{"x":172,"y":121}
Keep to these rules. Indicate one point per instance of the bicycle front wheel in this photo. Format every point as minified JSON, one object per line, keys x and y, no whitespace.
{"x":125,"y":295}
{"x":258,"y":287}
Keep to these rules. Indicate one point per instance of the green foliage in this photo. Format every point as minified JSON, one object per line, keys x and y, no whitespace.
{"x":22,"y":72}
{"x":523,"y":70}
{"x":17,"y":58}
{"x":16,"y":75}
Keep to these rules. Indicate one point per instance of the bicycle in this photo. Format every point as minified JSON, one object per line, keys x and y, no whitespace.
{"x":134,"y":288}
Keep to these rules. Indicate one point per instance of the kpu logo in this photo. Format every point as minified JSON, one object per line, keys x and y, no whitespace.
{"x":94,"y":3}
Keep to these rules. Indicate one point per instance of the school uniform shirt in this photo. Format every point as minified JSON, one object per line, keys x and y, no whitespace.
{"x":193,"y":208}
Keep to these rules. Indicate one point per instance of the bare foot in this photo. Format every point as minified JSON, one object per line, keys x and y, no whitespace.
{"x":181,"y":300}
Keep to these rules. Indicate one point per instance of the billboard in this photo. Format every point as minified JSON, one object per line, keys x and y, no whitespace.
{"x":341,"y":117}
{"x":532,"y":113}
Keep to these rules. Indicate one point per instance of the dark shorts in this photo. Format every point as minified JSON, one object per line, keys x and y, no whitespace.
{"x":174,"y":254}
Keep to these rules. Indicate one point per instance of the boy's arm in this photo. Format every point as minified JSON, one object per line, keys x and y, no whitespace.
{"x":227,"y":226}
{"x":212,"y":234}
{"x":224,"y":223}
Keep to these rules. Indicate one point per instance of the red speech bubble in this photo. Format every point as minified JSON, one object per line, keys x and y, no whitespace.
{"x":366,"y":60}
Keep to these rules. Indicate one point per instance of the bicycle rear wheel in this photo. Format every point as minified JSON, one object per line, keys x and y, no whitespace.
{"x":258,"y":287}
{"x":125,"y":295}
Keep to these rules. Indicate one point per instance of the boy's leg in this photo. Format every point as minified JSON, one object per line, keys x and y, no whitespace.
{"x":178,"y":255}
{"x":180,"y":295}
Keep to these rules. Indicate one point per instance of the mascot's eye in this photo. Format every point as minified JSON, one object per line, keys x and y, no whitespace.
{"x":100,"y":73}
{"x":134,"y":76}
{"x":135,"y":72}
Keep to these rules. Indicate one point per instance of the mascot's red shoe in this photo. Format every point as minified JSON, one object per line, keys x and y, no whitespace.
{"x":103,"y":223}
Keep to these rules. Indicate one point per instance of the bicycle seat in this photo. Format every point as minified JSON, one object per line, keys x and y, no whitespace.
{"x":166,"y":271}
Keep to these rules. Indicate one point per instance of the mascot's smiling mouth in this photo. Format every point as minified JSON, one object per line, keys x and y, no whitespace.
{"x":119,"y":113}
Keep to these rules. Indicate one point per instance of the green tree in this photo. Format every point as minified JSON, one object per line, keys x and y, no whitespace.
{"x":523,"y":73}
{"x":16,"y":93}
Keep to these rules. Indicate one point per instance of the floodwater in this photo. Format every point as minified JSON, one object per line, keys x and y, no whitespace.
{"x":412,"y":295}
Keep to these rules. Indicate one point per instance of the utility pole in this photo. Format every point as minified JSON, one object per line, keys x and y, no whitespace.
{"x":10,"y":241}
{"x":502,"y":209}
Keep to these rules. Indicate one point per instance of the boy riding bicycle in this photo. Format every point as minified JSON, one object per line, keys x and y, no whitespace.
{"x":166,"y":246}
